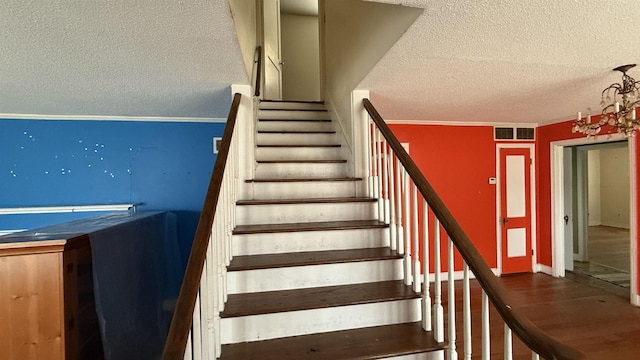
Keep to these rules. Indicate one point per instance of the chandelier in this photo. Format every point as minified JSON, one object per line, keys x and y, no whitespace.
{"x":619,"y":102}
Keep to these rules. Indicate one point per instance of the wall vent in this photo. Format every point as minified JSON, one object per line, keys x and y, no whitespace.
{"x":514,"y":133}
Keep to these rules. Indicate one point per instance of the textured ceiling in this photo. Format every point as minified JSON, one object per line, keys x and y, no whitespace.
{"x":535,"y":61}
{"x":118,"y":58}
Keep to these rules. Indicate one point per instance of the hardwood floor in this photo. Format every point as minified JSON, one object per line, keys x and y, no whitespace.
{"x":598,"y":323}
{"x":608,"y":256}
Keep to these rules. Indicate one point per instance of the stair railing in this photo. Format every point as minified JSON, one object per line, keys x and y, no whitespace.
{"x":396,"y":181}
{"x":257,"y":64}
{"x":194,"y":331}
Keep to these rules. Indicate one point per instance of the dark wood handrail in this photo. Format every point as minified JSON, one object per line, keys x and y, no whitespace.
{"x":258,"y":63}
{"x":530,"y":334}
{"x":183,"y":314}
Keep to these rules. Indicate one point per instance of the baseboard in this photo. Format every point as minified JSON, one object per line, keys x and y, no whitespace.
{"x":543,"y":269}
{"x":7,"y":232}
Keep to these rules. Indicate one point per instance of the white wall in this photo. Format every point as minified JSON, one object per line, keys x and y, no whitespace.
{"x":244,"y":18}
{"x":593,"y":166}
{"x":614,"y":187}
{"x":356,"y":36}
{"x":301,"y":57}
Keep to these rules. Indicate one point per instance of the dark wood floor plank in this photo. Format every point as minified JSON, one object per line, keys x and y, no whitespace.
{"x":306,"y":201}
{"x":269,"y":261}
{"x":315,"y":298}
{"x":308,"y":226}
{"x":336,"y":161}
{"x":305,"y":180}
{"x":366,"y":343}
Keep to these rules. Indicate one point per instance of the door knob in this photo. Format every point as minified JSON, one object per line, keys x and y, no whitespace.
{"x":566,"y":219}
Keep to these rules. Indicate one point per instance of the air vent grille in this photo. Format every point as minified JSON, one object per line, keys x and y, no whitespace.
{"x":514,"y":133}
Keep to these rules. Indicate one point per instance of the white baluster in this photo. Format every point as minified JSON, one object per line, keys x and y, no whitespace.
{"x":508,"y":343}
{"x":214,"y":313}
{"x":385,"y":170}
{"x":426,"y":296}
{"x":535,"y":356}
{"x":453,"y":354}
{"x":406,"y":199}
{"x":466,"y":312}
{"x":416,"y":243}
{"x":392,"y":202}
{"x":438,"y":311}
{"x":486,"y":334}
{"x":204,"y":300}
{"x":188,"y":354}
{"x":379,"y":174}
{"x":400,"y":230}
{"x":197,"y":330}
{"x":371,"y":159}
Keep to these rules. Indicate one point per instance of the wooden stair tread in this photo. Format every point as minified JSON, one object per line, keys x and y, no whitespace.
{"x":296,"y":132}
{"x":300,"y":145}
{"x":293,"y":109}
{"x":365,"y":343}
{"x":304,"y":180}
{"x":293,"y":101}
{"x":308,"y":226}
{"x":297,"y":120}
{"x":306,"y":201}
{"x":336,"y":161}
{"x":267,"y":302}
{"x":304,"y":258}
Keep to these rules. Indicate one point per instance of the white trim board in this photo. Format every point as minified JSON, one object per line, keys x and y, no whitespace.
{"x":6,"y":116}
{"x":65,"y":209}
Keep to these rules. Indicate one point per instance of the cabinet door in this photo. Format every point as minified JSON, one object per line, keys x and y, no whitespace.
{"x":31,"y":305}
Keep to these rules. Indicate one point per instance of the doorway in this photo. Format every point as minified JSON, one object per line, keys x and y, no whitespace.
{"x":578,"y":243}
{"x":600,"y":239}
{"x":292,"y":50}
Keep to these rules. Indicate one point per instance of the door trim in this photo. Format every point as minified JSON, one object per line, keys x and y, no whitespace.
{"x":557,"y":207}
{"x":532,"y":180}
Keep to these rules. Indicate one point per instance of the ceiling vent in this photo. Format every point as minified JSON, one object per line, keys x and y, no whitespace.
{"x":514,"y":133}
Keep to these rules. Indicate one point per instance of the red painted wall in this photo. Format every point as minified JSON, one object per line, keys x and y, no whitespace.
{"x":458,"y":162}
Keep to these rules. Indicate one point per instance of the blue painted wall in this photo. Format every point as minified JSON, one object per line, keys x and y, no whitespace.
{"x":163,"y":165}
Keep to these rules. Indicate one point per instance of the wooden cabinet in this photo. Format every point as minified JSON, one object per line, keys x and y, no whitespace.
{"x":47,"y":307}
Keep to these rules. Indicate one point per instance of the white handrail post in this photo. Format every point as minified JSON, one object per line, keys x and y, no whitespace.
{"x":426,"y":296}
{"x":466,"y":312}
{"x":406,"y":199}
{"x":453,"y":354}
{"x":392,"y":203}
{"x":486,"y":334}
{"x":508,"y":343}
{"x":379,"y":174}
{"x":385,"y":194}
{"x":399,"y":194}
{"x":371,"y":158}
{"x":416,"y":243}
{"x":438,"y":311}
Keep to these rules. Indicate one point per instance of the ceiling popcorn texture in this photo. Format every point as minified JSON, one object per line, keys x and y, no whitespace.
{"x":142,"y":58}
{"x":537,"y":61}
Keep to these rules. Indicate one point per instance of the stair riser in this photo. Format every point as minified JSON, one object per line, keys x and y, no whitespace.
{"x":293,"y":115}
{"x":271,"y":326}
{"x":277,"y":243}
{"x":294,"y":190}
{"x":291,"y":105}
{"x":288,"y":278}
{"x":296,"y":139}
{"x":300,"y":170}
{"x":297,"y":213}
{"x":297,"y":153}
{"x":286,"y":125}
{"x":435,"y":355}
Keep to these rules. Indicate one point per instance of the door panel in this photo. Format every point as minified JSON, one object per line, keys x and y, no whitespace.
{"x":515,"y":209}
{"x":272,"y":51}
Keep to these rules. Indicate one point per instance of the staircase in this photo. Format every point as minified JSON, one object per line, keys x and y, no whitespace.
{"x":312,"y":275}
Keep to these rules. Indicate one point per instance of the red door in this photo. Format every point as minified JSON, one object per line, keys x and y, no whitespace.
{"x":515,"y":210}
